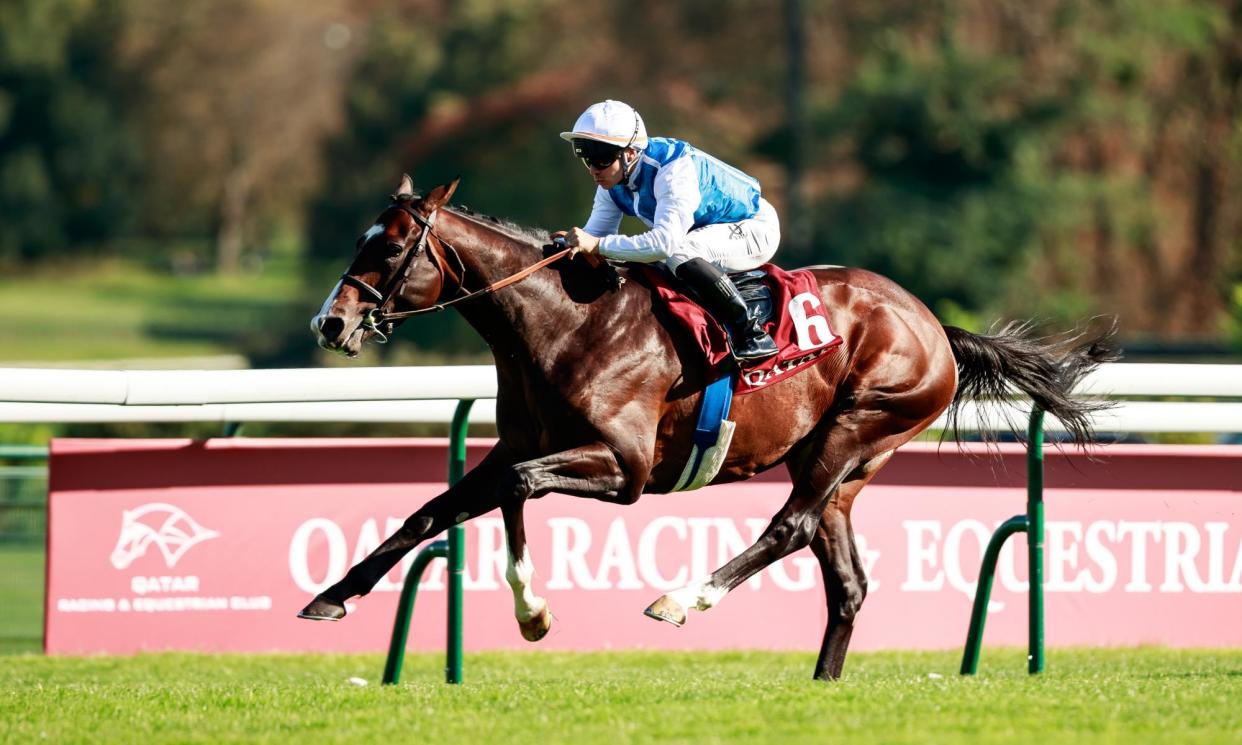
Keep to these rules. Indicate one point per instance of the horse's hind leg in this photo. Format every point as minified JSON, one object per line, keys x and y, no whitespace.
{"x":837,"y":453}
{"x":845,"y":580}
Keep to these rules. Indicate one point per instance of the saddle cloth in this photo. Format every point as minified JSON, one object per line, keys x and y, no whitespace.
{"x":799,"y":325}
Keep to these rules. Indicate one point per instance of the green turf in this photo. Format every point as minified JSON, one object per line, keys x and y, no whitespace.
{"x":1088,"y":696}
{"x":21,"y":597}
{"x":115,"y":310}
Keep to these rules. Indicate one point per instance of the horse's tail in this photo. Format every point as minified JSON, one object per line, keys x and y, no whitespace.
{"x":1044,"y":369}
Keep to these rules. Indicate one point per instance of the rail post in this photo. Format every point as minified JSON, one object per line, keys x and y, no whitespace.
{"x":454,"y":550}
{"x":1032,"y":523}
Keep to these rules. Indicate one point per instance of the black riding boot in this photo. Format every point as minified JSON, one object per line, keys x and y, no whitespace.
{"x":718,"y":295}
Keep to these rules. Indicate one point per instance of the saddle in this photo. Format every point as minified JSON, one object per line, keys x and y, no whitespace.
{"x":788,"y":305}
{"x":750,"y":285}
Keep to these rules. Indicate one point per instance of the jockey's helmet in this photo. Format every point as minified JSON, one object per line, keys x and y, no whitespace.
{"x":605,"y":129}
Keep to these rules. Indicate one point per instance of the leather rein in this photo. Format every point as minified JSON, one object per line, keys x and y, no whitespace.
{"x":380,"y":321}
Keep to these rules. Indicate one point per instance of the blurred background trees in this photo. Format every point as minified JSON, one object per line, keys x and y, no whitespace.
{"x":70,"y":155}
{"x":1044,"y":158}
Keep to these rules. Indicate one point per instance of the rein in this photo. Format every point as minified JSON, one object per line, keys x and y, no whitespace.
{"x":378,"y":317}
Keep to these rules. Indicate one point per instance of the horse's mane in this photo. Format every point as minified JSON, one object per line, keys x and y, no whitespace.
{"x":530,"y":236}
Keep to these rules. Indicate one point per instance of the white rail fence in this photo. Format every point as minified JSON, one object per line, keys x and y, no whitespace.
{"x":429,"y":394}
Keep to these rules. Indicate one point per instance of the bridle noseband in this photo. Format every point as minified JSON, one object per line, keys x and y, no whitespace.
{"x":381,"y":321}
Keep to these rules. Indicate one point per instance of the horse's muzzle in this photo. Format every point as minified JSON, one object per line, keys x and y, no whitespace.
{"x":332,"y":333}
{"x":327,"y":328}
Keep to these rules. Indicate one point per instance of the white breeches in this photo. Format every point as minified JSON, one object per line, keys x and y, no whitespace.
{"x":732,"y":246}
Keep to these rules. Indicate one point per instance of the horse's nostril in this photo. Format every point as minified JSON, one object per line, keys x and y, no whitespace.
{"x":331,"y":327}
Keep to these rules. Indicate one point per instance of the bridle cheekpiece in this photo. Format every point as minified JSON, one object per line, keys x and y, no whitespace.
{"x":379,"y":319}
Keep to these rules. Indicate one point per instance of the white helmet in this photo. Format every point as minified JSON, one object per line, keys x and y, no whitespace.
{"x":610,"y":122}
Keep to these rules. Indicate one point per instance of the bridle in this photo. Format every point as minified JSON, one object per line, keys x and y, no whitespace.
{"x":381,"y":321}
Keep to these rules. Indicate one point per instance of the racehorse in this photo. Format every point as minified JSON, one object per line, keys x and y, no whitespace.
{"x":597,"y":398}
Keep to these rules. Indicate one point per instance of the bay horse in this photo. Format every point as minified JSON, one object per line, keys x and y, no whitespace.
{"x":597,"y":398}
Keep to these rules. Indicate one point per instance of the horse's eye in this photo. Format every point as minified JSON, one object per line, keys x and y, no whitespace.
{"x":394,"y":250}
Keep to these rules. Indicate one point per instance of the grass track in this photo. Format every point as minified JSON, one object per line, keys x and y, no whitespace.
{"x":121,"y":310}
{"x":1089,"y":696}
{"x":21,"y":598}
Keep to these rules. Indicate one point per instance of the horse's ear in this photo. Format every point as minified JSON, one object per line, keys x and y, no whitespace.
{"x":405,"y":190}
{"x":440,"y":195}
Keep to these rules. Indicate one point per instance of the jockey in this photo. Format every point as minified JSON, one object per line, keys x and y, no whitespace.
{"x":705,"y":217}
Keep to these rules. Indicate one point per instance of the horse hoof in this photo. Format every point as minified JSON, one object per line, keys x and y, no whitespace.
{"x":536,"y":628}
{"x":323,"y":609}
{"x":667,"y":609}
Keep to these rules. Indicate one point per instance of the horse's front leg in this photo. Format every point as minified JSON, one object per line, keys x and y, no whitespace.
{"x":590,"y":471}
{"x":473,"y":495}
{"x":531,"y":611}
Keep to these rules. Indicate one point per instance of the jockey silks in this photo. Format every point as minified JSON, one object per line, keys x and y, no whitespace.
{"x":674,"y":189}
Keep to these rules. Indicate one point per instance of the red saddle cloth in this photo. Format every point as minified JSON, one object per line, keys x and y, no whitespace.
{"x":799,"y":325}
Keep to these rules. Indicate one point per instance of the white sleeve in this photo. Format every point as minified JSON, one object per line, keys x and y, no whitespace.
{"x":605,"y":215}
{"x":677,"y":197}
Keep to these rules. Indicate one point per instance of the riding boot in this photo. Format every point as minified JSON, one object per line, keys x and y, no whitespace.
{"x":720,"y":297}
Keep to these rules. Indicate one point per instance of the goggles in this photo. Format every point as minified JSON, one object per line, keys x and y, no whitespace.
{"x":595,"y":154}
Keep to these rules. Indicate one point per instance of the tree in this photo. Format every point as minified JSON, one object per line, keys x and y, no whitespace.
{"x":947,"y":193}
{"x":1050,"y":158}
{"x":69,"y":161}
{"x":237,"y":97}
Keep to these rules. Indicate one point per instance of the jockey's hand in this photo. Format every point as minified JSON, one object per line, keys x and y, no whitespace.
{"x":581,"y":241}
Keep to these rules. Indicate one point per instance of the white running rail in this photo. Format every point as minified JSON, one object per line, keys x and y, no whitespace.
{"x":429,"y":394}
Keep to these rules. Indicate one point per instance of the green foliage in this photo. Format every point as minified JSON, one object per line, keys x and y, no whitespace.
{"x":1052,"y":160}
{"x":68,"y":159}
{"x":1025,"y":169}
{"x":945,"y":206}
{"x":414,"y":69}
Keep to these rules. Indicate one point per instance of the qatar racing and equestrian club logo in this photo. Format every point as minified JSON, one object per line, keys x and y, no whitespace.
{"x":165,"y":526}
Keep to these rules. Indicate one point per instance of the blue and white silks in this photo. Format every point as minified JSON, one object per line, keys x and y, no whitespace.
{"x":674,"y":189}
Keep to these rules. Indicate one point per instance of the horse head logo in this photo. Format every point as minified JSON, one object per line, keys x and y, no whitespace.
{"x":171,"y":530}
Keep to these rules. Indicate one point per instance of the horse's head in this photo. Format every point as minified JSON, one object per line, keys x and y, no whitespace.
{"x":397,"y":267}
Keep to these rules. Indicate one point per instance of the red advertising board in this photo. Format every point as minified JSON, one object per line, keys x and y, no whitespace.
{"x":215,"y":545}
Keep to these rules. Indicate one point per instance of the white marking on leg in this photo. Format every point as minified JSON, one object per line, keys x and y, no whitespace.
{"x":526,"y":604}
{"x":700,"y":594}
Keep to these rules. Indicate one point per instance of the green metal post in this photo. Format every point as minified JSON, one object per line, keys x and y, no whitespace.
{"x":1035,"y":540}
{"x":456,"y":546}
{"x":405,"y":610}
{"x":454,"y":549}
{"x":1032,"y":523}
{"x":983,"y":593}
